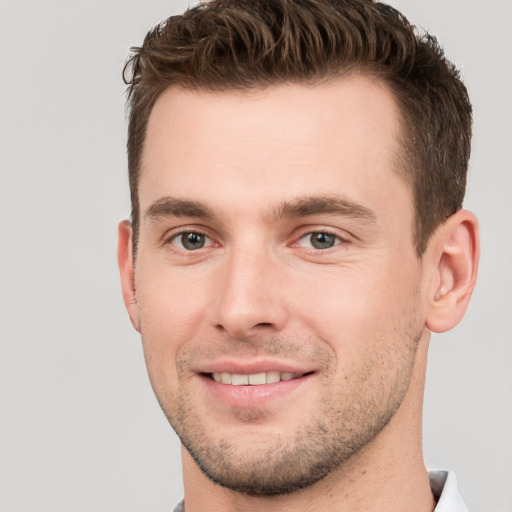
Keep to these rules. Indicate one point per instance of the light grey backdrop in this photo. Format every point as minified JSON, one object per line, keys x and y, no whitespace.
{"x":79,"y":427}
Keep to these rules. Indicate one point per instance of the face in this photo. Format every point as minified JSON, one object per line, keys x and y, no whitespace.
{"x":278,"y":292}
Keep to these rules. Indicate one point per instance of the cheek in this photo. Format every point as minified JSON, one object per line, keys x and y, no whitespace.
{"x":373,"y":334}
{"x":171,"y":308}
{"x":360,"y":310}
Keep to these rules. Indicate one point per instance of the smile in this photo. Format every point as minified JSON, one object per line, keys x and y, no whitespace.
{"x":254,"y":379}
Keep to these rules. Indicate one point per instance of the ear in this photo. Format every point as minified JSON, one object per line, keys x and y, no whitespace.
{"x":127,"y":271}
{"x":454,"y":253}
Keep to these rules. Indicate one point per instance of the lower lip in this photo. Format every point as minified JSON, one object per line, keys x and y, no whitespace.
{"x":247,"y":396}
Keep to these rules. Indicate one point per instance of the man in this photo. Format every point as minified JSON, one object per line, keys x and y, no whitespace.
{"x":297,"y":170}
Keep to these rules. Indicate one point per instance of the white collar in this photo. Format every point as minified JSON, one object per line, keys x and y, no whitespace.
{"x":445,"y":490}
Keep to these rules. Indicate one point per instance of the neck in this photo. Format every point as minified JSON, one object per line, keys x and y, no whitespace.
{"x":387,"y":475}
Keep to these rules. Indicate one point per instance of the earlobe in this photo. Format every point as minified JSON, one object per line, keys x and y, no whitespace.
{"x":454,"y":252}
{"x":127,"y":271}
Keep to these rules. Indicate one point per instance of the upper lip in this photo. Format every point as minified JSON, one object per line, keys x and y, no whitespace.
{"x":253,"y":367}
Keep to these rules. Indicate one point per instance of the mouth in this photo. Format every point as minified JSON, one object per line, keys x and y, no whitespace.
{"x":245,"y":388}
{"x":254,"y":379}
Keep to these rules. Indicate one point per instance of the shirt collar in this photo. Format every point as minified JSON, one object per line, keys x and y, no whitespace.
{"x":446,"y":492}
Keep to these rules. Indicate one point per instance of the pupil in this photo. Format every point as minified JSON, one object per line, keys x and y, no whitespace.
{"x":322,"y":240}
{"x":193,"y":241}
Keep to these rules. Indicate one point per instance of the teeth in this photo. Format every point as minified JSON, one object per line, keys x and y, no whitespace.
{"x":255,"y":379}
{"x":239,"y":380}
{"x":273,"y":377}
{"x":225,"y":378}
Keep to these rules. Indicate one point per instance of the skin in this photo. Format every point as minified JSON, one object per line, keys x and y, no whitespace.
{"x":256,"y":174}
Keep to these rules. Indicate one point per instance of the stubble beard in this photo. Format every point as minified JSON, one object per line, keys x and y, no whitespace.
{"x":283,"y":467}
{"x":343,"y":423}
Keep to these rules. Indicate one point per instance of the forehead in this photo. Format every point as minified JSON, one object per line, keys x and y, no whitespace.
{"x":273,"y":144}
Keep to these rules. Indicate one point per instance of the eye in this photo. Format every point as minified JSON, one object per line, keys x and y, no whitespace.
{"x":319,"y":240}
{"x":190,"y":241}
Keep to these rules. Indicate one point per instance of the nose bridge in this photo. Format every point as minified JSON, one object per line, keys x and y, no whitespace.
{"x":249,"y":298}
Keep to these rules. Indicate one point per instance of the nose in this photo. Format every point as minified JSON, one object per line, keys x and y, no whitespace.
{"x":251,"y":299}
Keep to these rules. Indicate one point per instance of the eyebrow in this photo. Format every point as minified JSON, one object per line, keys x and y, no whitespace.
{"x":174,"y":207}
{"x":321,"y":205}
{"x":300,"y":207}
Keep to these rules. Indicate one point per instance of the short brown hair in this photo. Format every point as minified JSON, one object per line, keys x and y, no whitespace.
{"x":223,"y":45}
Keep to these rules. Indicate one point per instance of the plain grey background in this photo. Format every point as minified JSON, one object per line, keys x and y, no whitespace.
{"x":80,"y":429}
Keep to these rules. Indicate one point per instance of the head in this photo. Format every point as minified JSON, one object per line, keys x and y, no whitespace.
{"x":242,"y":45}
{"x":297,"y":171}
